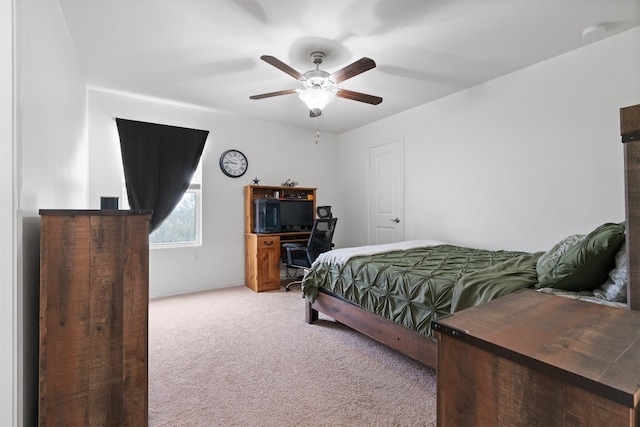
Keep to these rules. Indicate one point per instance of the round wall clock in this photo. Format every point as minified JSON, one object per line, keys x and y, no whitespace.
{"x":233,"y":163}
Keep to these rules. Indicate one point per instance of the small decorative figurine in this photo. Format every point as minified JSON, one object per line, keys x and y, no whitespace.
{"x":256,"y":181}
{"x":289,"y":183}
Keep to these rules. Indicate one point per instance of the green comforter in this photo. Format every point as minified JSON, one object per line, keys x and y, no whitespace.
{"x":415,"y":286}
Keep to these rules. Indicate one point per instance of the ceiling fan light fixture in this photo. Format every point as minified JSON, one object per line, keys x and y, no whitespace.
{"x":320,"y":86}
{"x":316,"y":98}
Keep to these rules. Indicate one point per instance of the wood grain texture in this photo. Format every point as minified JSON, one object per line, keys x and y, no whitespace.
{"x":630,"y":120}
{"x":478,"y":388}
{"x":64,"y":323}
{"x":630,"y":125}
{"x":525,"y":397}
{"x":555,"y":361}
{"x":268,"y":259}
{"x":135,"y":315}
{"x":93,"y":319}
{"x":262,"y":262}
{"x":477,"y":375}
{"x":398,"y":337}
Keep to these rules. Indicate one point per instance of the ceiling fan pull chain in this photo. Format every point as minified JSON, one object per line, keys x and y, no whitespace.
{"x":317,"y":130}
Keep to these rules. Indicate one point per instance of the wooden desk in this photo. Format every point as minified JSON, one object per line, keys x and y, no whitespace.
{"x":262,"y":251}
{"x":538,"y":360}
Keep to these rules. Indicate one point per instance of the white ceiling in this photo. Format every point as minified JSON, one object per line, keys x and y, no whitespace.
{"x":207,"y":53}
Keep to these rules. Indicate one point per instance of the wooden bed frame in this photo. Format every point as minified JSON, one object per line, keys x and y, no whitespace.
{"x":423,"y":348}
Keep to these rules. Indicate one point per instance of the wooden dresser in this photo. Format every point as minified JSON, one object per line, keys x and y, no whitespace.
{"x":94,"y":276}
{"x":533,"y":359}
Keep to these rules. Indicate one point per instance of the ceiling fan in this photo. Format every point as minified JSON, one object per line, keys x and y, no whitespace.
{"x":320,"y":86}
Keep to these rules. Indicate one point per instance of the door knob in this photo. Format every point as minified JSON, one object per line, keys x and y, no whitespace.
{"x":396,"y":220}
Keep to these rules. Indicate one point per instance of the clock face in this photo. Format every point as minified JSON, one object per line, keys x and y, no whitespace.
{"x":233,"y":163}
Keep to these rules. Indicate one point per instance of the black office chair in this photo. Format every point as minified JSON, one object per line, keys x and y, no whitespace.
{"x":320,"y":240}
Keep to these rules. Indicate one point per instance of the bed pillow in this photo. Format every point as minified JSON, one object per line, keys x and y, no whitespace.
{"x":581,"y":262}
{"x":495,"y":281}
{"x":615,"y":288}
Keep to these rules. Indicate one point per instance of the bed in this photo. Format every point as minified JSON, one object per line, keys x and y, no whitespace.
{"x":391,"y":293}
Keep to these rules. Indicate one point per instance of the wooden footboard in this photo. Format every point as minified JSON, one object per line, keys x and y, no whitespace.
{"x":406,"y":341}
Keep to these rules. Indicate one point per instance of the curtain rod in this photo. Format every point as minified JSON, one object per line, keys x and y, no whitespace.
{"x":161,"y":124}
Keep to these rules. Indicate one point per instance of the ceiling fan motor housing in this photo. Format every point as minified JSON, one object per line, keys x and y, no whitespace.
{"x":316,"y":78}
{"x":317,"y":57}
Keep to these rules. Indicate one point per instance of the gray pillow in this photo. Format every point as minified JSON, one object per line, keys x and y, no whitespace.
{"x":615,"y":288}
{"x":581,"y":262}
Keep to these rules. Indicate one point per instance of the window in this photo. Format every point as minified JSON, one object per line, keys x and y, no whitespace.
{"x":183,"y":226}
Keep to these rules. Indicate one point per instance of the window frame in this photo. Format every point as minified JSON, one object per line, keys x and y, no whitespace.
{"x":196,"y":189}
{"x":195,"y":186}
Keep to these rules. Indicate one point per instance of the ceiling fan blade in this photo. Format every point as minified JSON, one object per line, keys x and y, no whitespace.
{"x":357,"y":96}
{"x":283,"y":67}
{"x":270,"y":94}
{"x":352,"y":70}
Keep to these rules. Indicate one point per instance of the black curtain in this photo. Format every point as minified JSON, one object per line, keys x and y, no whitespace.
{"x":159,"y":161}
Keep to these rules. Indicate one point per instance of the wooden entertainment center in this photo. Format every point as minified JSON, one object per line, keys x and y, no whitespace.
{"x":262,"y":250}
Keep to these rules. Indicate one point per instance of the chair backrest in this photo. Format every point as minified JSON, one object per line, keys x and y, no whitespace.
{"x":324,"y":212}
{"x":321,"y":238}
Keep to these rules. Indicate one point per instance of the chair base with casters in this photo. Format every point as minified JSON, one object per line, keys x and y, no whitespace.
{"x":296,"y":282}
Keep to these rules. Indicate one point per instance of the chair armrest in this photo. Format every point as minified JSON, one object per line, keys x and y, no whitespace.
{"x":291,"y":245}
{"x":295,"y":247}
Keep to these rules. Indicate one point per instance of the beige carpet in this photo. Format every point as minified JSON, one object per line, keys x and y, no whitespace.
{"x":232,"y":357}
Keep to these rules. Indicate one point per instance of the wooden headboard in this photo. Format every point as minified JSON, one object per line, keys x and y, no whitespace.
{"x":630,"y":131}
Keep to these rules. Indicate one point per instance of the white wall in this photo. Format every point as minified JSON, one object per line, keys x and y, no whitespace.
{"x":52,"y":162}
{"x":275,"y":153}
{"x":516,"y":163}
{"x":8,"y":290}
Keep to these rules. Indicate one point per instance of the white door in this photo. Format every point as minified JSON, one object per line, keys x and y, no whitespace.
{"x":386,"y":193}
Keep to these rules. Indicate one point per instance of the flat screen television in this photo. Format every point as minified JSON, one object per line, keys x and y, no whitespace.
{"x":296,"y":215}
{"x":266,"y":216}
